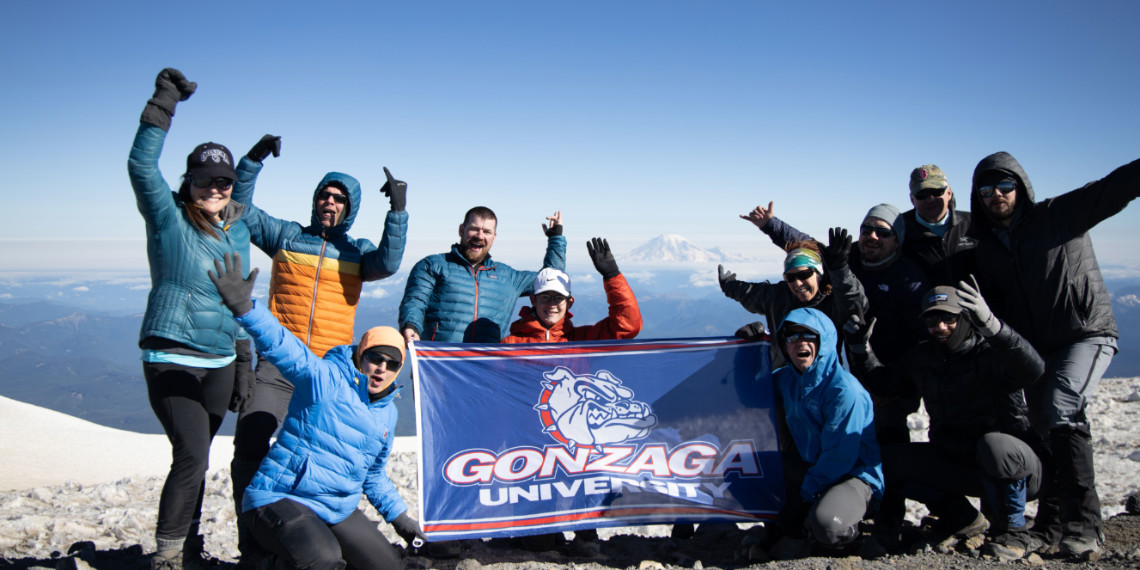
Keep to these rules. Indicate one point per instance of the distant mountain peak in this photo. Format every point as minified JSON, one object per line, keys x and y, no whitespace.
{"x":675,"y":248}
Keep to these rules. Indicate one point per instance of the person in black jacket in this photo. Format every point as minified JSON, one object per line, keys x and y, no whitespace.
{"x":1036,"y":263}
{"x":936,"y":233}
{"x":970,"y":373}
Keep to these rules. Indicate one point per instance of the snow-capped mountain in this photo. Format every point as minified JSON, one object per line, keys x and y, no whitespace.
{"x":674,"y":248}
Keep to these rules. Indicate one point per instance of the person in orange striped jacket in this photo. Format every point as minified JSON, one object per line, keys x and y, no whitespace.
{"x":318,"y":273}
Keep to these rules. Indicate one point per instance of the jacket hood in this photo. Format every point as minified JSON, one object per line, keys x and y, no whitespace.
{"x":1005,"y":163}
{"x":826,"y":359}
{"x":352,"y":188}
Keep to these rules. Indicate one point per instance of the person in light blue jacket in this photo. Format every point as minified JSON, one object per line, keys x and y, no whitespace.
{"x":832,"y":423}
{"x":333,"y":445}
{"x":189,"y":340}
{"x":464,"y":295}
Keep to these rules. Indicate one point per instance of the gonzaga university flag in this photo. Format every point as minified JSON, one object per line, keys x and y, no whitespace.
{"x":533,"y":438}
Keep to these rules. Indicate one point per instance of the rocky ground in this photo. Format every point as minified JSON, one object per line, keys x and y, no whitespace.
{"x":111,"y":526}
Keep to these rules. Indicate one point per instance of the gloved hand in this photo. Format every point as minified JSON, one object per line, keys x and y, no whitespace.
{"x":267,"y":144}
{"x":408,"y":528}
{"x":751,"y":331}
{"x":725,"y":277}
{"x":976,"y":308}
{"x":243,"y":377}
{"x":396,"y":191}
{"x":555,"y":226}
{"x":170,"y":87}
{"x":838,"y":249}
{"x":603,"y":258}
{"x":235,"y":291}
{"x":858,"y":334}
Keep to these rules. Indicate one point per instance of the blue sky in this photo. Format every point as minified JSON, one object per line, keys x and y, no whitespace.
{"x":633,"y":118}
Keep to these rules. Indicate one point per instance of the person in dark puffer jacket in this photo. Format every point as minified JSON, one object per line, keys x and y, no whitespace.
{"x":1037,"y":268}
{"x":189,"y":340}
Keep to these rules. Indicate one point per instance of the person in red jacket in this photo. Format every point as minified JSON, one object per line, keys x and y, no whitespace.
{"x":548,"y":317}
{"x":548,"y":320}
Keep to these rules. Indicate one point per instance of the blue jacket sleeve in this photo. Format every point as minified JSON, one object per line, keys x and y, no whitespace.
{"x":310,"y":375}
{"x":555,"y":253}
{"x":152,"y":194}
{"x":417,"y":293}
{"x":380,"y":490}
{"x":782,"y":234}
{"x":384,"y":261}
{"x":840,"y":442}
{"x":269,"y":234}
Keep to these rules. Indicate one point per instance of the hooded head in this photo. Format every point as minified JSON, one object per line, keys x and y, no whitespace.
{"x":990,"y":170}
{"x":816,"y":357}
{"x":380,"y":344}
{"x":351,"y":188}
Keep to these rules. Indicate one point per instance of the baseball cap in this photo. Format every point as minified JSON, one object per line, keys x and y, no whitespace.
{"x":927,"y":176}
{"x":211,"y":160}
{"x":941,"y":298}
{"x":551,"y":279}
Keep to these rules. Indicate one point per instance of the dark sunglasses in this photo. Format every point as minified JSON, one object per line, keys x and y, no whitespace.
{"x":881,"y":233}
{"x":1005,"y":187}
{"x":929,"y":193}
{"x":799,"y":275}
{"x":376,"y":358}
{"x":801,"y":336}
{"x":220,"y":182}
{"x":933,"y":319}
{"x":338,"y":198}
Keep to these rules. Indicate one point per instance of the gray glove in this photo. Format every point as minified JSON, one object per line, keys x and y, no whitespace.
{"x":396,"y":191}
{"x":236,"y":292}
{"x":408,"y":529}
{"x":725,"y":277}
{"x":858,"y":334}
{"x":243,"y":377}
{"x":976,"y":308}
{"x":170,"y":87}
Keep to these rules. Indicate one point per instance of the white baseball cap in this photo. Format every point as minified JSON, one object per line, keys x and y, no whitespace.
{"x":551,"y":279}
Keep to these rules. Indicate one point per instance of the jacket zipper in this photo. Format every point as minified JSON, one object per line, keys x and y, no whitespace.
{"x":316,"y":282}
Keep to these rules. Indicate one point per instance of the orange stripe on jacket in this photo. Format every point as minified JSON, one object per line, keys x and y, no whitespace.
{"x":330,"y":287}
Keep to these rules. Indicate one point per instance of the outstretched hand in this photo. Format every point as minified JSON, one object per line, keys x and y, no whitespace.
{"x":236,"y":292}
{"x":603,"y":258}
{"x":269,"y":144}
{"x":979,"y":313}
{"x":396,"y":191}
{"x":760,"y":216}
{"x":858,"y":334}
{"x":555,"y":226}
{"x":725,"y":277}
{"x":838,"y":249}
{"x":409,"y":529}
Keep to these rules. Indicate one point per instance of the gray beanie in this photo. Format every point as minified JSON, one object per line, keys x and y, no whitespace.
{"x":890,"y":215}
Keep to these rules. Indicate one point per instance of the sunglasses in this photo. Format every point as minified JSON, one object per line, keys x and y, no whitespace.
{"x":801,"y":336}
{"x":220,"y":182}
{"x":929,"y":193}
{"x":550,"y":298}
{"x":932,"y":320}
{"x":376,"y":358}
{"x":338,"y":198}
{"x":803,"y":275}
{"x":1005,"y":187}
{"x":881,"y":233}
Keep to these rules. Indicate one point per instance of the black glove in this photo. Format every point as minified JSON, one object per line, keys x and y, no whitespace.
{"x":243,"y":377}
{"x":858,"y":334}
{"x":838,"y":249}
{"x":554,"y":230}
{"x":268,"y":144}
{"x":751,"y":331}
{"x":408,"y":529}
{"x":603,"y":258}
{"x":170,"y":87}
{"x":235,"y":291}
{"x":979,"y":313}
{"x":725,"y":278}
{"x":396,"y":191}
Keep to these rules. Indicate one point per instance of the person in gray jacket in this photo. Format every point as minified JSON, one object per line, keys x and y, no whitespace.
{"x":1037,"y":267}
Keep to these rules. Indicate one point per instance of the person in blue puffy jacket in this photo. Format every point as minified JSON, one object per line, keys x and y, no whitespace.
{"x":830,"y":417}
{"x":333,"y":445}
{"x":464,"y":295}
{"x":189,"y":340}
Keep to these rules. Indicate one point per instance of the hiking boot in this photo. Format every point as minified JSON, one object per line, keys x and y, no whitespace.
{"x":1013,"y":545}
{"x":1078,"y":545}
{"x":957,"y":529}
{"x":194,"y":555}
{"x":166,"y":560}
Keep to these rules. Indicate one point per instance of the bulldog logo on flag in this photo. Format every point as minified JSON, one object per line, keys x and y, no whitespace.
{"x":626,"y":433}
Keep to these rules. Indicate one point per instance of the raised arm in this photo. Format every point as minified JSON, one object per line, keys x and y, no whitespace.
{"x":152,"y":194}
{"x":384,"y":261}
{"x":555,"y":243}
{"x":624,"y":320}
{"x":779,"y":232}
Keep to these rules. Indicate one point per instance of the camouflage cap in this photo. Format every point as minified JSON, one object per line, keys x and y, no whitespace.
{"x":927,"y":176}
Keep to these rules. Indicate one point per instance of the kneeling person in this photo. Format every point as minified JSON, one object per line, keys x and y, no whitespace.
{"x":333,"y":445}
